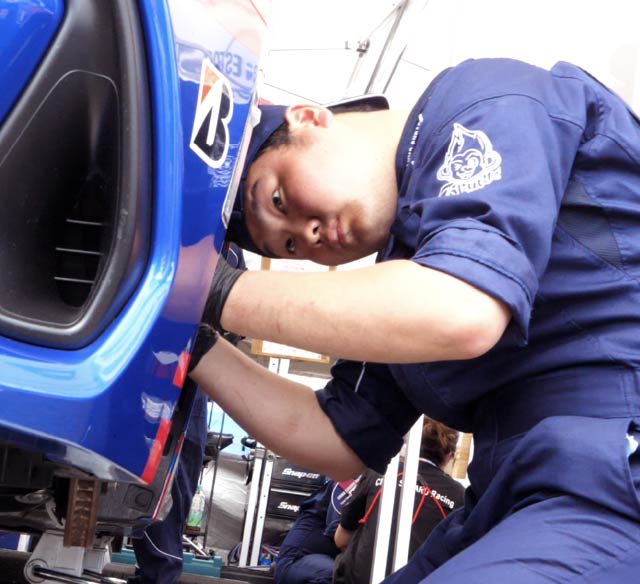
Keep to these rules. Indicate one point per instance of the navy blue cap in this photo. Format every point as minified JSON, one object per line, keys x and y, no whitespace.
{"x":271,"y":118}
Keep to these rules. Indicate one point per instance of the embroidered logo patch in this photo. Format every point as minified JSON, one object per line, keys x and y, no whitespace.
{"x":470,"y":164}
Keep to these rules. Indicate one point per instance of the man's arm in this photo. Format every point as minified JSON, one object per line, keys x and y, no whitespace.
{"x":283,"y":415}
{"x":392,"y":312}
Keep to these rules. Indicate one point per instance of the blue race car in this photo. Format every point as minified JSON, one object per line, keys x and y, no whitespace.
{"x":122,"y":125}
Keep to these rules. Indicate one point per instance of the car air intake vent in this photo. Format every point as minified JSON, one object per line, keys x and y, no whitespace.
{"x":79,"y":254}
{"x":75,"y":185}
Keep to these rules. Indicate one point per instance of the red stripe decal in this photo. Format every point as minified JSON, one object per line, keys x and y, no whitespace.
{"x":168,"y":480}
{"x":156,"y":452}
{"x":181,"y":370}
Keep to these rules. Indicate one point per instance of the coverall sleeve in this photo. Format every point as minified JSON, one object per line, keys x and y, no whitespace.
{"x":491,"y":183}
{"x":368,"y":410}
{"x":356,"y":507}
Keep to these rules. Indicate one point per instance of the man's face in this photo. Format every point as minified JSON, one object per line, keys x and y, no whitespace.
{"x":308,"y":200}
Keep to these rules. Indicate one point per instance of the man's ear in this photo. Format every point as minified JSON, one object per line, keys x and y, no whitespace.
{"x":301,"y":115}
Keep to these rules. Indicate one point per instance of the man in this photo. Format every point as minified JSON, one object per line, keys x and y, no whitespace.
{"x":505,"y":210}
{"x":159,"y":549}
{"x":308,"y":551}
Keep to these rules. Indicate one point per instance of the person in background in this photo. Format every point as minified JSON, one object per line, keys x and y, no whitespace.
{"x":308,"y":551}
{"x":159,"y":550}
{"x":437,"y":495}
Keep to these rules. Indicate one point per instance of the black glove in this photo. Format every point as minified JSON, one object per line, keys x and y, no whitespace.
{"x":223,"y":280}
{"x":232,"y":338}
{"x":205,"y":339}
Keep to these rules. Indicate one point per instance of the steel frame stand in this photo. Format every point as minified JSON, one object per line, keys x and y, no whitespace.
{"x":52,"y":562}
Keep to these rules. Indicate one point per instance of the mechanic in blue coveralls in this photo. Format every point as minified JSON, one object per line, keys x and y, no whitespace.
{"x":505,"y":211}
{"x":308,"y":552}
{"x":159,"y":550}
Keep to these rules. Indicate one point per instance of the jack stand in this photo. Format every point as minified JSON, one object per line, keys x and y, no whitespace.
{"x":52,"y":562}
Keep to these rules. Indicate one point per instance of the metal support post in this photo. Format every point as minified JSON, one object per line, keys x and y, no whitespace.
{"x":262,"y":509}
{"x":385,"y":520}
{"x":251,"y":506}
{"x":407,"y":495}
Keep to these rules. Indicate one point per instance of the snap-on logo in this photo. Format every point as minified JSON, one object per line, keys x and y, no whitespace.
{"x":300,"y":474}
{"x":285,"y":506}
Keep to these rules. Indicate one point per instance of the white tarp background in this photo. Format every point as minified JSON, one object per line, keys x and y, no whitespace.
{"x":307,"y":60}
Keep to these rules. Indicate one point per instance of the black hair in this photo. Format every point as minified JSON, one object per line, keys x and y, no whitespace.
{"x":281,"y":136}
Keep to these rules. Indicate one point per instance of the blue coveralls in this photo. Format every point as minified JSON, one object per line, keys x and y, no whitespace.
{"x":525,"y":184}
{"x":308,"y":552}
{"x":159,"y":550}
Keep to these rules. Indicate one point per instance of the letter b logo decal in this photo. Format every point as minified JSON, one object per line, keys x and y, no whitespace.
{"x":210,"y":134}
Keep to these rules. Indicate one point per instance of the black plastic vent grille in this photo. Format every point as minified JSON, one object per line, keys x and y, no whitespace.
{"x":78,"y":261}
{"x":79,"y":254}
{"x":75,"y":181}
{"x":23,"y":469}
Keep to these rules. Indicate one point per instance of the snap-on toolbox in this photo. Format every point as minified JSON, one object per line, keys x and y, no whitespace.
{"x":290,"y":486}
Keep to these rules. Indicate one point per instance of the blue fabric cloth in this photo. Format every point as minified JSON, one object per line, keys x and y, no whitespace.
{"x":309,"y":569}
{"x":307,"y":553}
{"x":159,"y":550}
{"x":524,"y":183}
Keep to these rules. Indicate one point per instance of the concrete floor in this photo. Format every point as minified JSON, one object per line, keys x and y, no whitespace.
{"x":226,"y":515}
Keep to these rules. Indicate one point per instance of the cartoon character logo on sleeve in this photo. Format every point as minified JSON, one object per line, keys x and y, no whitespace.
{"x":470,"y":163}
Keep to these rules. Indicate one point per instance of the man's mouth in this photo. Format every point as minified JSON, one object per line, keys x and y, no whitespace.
{"x":335,"y":235}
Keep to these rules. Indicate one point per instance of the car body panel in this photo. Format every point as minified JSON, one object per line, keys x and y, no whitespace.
{"x":26,"y":29}
{"x":106,"y":408}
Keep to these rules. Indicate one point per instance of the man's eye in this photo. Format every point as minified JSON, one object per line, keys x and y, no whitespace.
{"x":291,"y":246}
{"x":277,"y":201}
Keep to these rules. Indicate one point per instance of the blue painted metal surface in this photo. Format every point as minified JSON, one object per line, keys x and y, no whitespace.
{"x":9,"y":541}
{"x":100,"y":407}
{"x":26,"y":30}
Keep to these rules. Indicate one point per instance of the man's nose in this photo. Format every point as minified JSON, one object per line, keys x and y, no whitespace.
{"x":311,"y":231}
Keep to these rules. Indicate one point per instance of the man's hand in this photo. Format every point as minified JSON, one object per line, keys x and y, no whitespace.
{"x":205,"y":339}
{"x":223,"y":280}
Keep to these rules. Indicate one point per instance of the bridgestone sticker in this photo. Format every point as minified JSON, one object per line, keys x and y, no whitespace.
{"x":210,"y":134}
